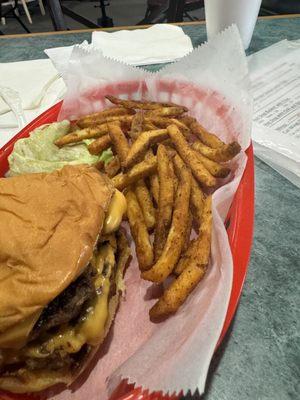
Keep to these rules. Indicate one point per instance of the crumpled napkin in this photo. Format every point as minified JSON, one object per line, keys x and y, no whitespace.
{"x":160,"y":43}
{"x":8,"y":122}
{"x":30,"y":79}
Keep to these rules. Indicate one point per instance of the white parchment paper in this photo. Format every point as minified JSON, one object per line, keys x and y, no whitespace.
{"x":173,"y":355}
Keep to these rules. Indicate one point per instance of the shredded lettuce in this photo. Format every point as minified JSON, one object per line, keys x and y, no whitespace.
{"x":38,"y":153}
{"x":106,"y":156}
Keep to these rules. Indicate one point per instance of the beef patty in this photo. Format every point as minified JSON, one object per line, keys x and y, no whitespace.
{"x":68,"y":305}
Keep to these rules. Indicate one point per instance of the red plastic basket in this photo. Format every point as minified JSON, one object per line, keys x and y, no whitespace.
{"x":239,"y":224}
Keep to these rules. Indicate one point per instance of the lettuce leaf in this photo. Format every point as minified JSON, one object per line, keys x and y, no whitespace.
{"x":38,"y":153}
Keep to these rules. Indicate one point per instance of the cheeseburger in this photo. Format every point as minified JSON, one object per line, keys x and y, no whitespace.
{"x":62,"y":257}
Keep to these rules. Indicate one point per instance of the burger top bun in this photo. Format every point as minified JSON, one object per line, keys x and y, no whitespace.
{"x":49,"y":225}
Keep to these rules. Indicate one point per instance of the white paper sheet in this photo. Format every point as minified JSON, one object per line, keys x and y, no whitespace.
{"x":275,"y":77}
{"x":276,"y":95}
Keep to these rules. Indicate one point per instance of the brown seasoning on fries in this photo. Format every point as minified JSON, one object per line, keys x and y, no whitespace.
{"x":197,"y":202}
{"x":190,"y":157}
{"x":166,"y":112}
{"x":139,"y":231}
{"x":141,"y":170}
{"x":166,"y":179}
{"x":194,"y":270}
{"x":216,"y":170}
{"x":175,"y":240}
{"x":102,"y":116}
{"x":164,"y":160}
{"x":100,"y":144}
{"x":136,"y":125}
{"x":199,"y":249}
{"x":154,"y":187}
{"x":144,"y":198}
{"x":220,"y":154}
{"x":142,"y":144}
{"x":206,"y":137}
{"x":79,"y":136}
{"x":142,"y":105}
{"x":112,"y":167}
{"x":119,"y":140}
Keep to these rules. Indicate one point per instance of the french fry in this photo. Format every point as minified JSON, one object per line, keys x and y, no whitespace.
{"x":113,"y":167}
{"x":79,"y":136}
{"x":124,"y":120}
{"x":166,"y":197}
{"x":188,"y":232}
{"x":172,"y":152}
{"x":166,"y":112}
{"x":149,"y":126}
{"x":179,"y":164}
{"x":102,"y":116}
{"x":210,"y":139}
{"x":197,"y":201}
{"x":175,"y":240}
{"x":145,"y":201}
{"x":138,"y":104}
{"x":217,"y":170}
{"x":139,"y":232}
{"x":123,"y":253}
{"x":74,"y":127}
{"x":165,"y":122}
{"x":199,"y":249}
{"x":197,"y":197}
{"x":142,"y":144}
{"x":100,"y":144}
{"x":220,"y":154}
{"x":153,"y":183}
{"x":190,"y":157}
{"x":136,"y":125}
{"x":175,"y":295}
{"x":140,"y":170}
{"x":99,"y":165}
{"x":119,"y":141}
{"x":206,"y":137}
{"x":187,"y":120}
{"x":154,"y":187}
{"x":168,"y":143}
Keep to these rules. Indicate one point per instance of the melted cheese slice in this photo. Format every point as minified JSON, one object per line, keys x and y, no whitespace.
{"x":116,"y":210}
{"x":91,"y":329}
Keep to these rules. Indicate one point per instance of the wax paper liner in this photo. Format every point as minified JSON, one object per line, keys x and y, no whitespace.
{"x":174,"y":355}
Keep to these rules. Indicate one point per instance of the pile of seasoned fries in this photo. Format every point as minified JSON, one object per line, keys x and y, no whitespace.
{"x":166,"y":163}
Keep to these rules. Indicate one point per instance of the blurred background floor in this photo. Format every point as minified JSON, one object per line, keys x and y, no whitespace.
{"x":123,"y":12}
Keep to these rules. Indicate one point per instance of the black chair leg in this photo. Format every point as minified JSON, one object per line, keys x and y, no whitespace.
{"x":12,"y":11}
{"x":180,"y":11}
{"x":20,"y":21}
{"x":105,"y":21}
